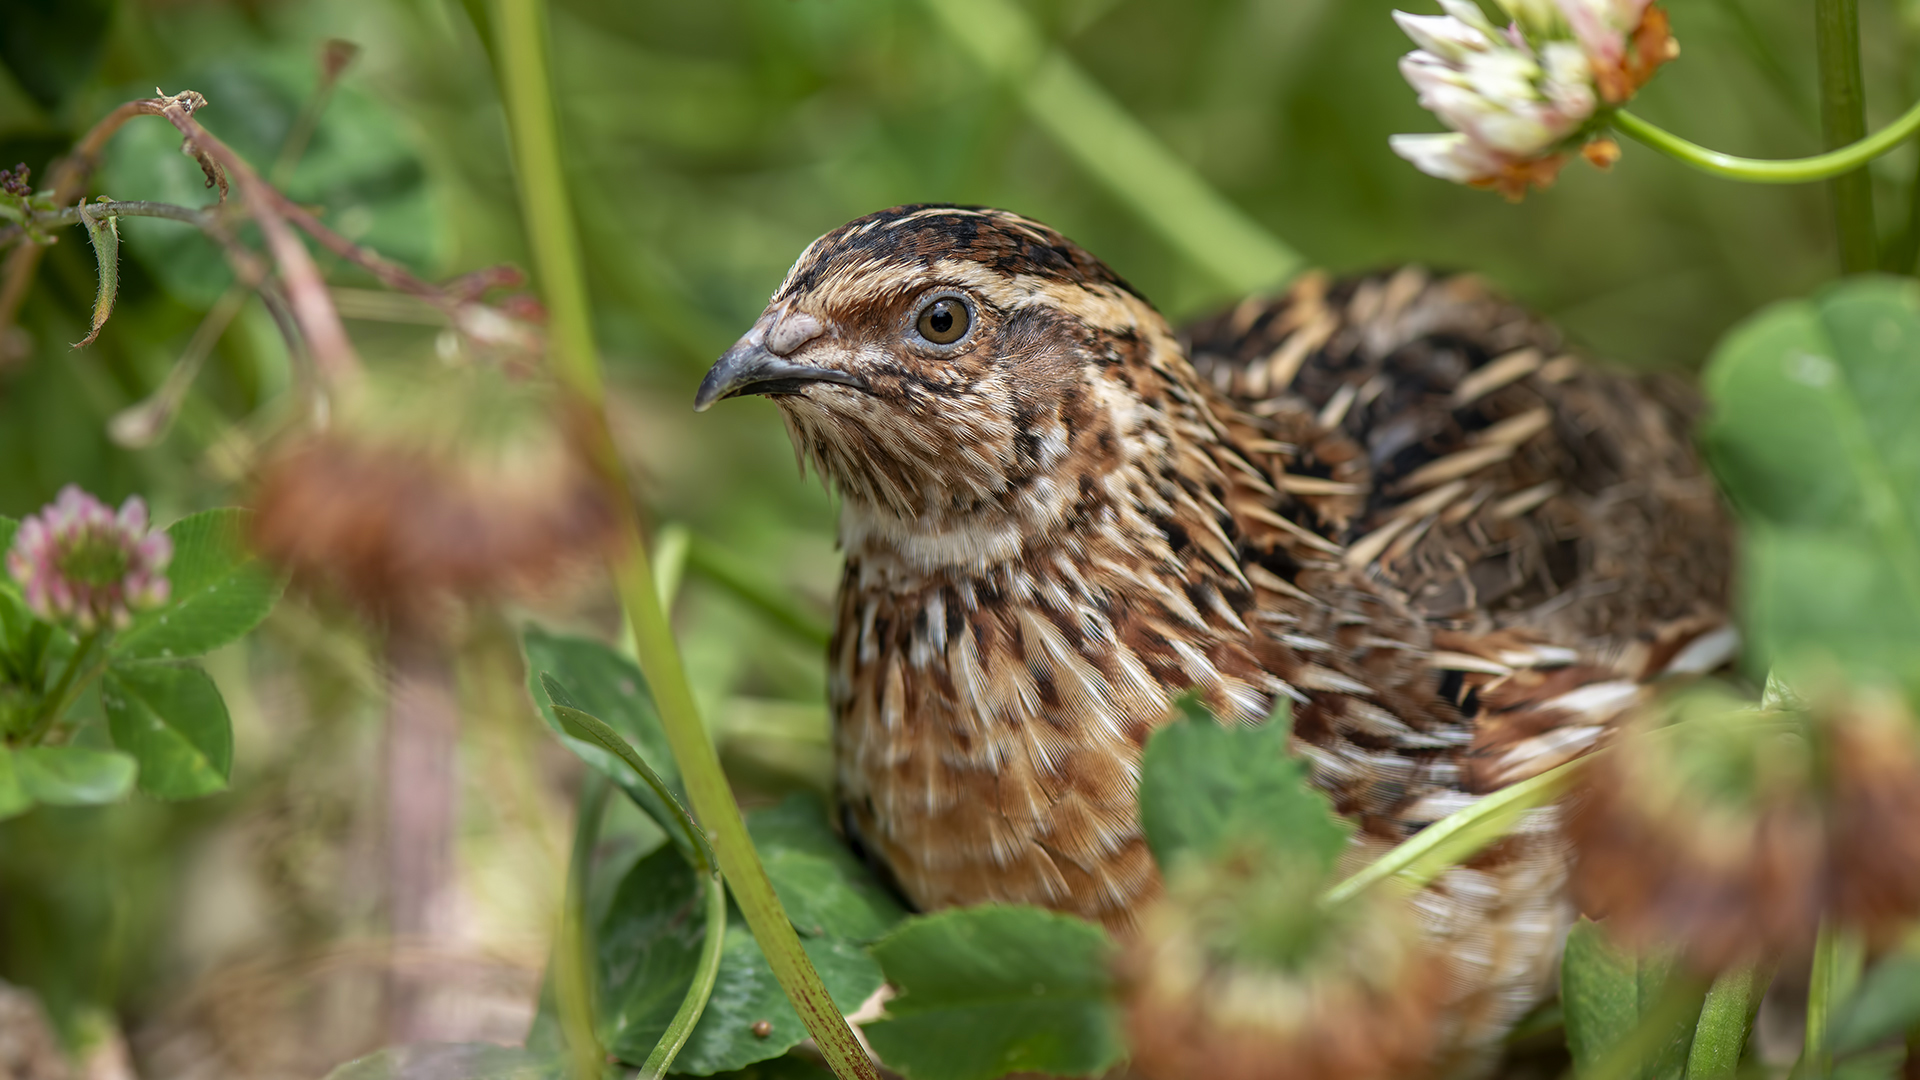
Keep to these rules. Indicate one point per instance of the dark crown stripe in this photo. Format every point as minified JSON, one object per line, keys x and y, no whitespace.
{"x":919,"y":234}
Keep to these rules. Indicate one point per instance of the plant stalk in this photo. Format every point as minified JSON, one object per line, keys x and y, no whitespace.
{"x":1726,"y":1018}
{"x":1843,"y":120}
{"x":57,"y":699}
{"x":1826,"y":166}
{"x":1837,"y":959}
{"x":573,"y":966}
{"x":1118,"y":151}
{"x":1457,"y":836}
{"x":522,"y":41}
{"x":688,"y":1015}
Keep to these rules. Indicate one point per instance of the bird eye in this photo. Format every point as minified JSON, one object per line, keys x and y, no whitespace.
{"x":944,"y":321}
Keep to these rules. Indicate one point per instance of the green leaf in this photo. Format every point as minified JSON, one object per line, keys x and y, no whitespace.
{"x":650,"y":791}
{"x":220,"y":590}
{"x":171,"y":718}
{"x":1888,"y":1002}
{"x":451,"y":1061}
{"x":74,"y":776}
{"x":610,"y":687}
{"x":1607,"y":993}
{"x":1811,"y":436}
{"x":992,"y":990}
{"x":746,"y":993}
{"x":825,"y":889}
{"x":648,"y":948}
{"x":104,"y":231}
{"x":1205,"y":787}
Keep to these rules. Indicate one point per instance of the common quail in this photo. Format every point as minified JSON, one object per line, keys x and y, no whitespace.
{"x":1396,"y":501}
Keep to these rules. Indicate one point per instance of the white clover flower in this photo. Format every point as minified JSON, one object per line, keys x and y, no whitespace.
{"x":1519,"y":99}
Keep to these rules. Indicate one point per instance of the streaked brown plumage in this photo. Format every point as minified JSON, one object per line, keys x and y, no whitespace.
{"x":1394,"y":500}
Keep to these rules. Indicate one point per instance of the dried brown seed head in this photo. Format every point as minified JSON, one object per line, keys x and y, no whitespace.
{"x":1732,"y":831}
{"x":1239,"y":975}
{"x":425,"y":496}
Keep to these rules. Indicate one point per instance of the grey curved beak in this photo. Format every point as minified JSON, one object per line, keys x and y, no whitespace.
{"x":755,"y":364}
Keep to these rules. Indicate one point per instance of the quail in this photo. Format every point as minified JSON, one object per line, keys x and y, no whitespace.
{"x":1397,"y":502}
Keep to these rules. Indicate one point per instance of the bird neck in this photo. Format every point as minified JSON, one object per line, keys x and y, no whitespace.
{"x":1130,"y":449}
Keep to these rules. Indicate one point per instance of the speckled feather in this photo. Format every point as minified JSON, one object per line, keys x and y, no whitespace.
{"x":1396,"y":501}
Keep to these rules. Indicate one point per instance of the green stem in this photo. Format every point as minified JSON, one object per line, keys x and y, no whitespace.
{"x":55,"y":703}
{"x":695,"y":1003}
{"x":522,"y":39}
{"x":585,"y":725}
{"x":1117,"y":150}
{"x":1843,"y":120}
{"x":1763,"y":171}
{"x":1725,"y":1021}
{"x":1456,"y":836}
{"x":573,"y":975}
{"x":1837,"y":958}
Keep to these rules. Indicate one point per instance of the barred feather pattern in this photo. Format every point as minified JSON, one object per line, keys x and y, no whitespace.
{"x":1397,"y":501}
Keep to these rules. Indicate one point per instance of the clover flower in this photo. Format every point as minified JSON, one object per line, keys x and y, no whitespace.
{"x":1520,"y":99}
{"x":78,"y":562}
{"x":1238,"y":974}
{"x":1731,"y":832}
{"x":424,"y":495}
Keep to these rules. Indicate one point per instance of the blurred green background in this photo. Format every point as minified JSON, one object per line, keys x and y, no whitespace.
{"x":707,"y":143}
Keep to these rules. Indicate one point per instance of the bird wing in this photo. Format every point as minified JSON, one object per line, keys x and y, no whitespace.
{"x":1535,"y":533}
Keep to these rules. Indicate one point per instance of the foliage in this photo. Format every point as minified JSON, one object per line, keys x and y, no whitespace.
{"x":1812,"y":435}
{"x":167,"y":722}
{"x":706,"y":144}
{"x":991,"y":991}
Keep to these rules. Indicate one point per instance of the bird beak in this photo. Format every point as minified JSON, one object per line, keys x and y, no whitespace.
{"x":758,"y":364}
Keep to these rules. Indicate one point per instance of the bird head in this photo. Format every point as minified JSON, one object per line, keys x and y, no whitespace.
{"x":946,"y":365}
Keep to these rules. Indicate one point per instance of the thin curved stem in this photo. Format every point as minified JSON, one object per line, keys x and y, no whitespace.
{"x":695,"y":1003}
{"x":1762,"y":171}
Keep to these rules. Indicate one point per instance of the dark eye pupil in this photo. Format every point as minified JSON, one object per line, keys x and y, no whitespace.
{"x":944,"y":321}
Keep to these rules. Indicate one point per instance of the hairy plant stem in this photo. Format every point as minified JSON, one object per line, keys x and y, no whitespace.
{"x":1726,"y":1018}
{"x":1843,"y":120}
{"x":1826,"y":166}
{"x":522,"y":40}
{"x":320,"y":325}
{"x":64,"y":689}
{"x":69,"y":176}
